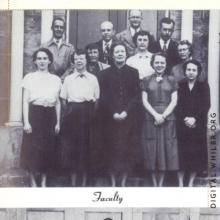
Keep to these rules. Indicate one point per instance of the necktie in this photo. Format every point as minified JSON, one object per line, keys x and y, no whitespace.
{"x":165,"y":47}
{"x":81,"y":75}
{"x":106,"y":53}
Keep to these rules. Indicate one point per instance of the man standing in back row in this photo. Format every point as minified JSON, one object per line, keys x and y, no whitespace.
{"x":60,"y":49}
{"x":135,"y":18}
{"x":108,"y":38}
{"x":165,"y":44}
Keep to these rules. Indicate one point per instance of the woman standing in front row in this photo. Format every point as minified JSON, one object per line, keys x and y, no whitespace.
{"x":79,"y":96}
{"x":191,"y":112}
{"x":119,"y":89}
{"x":159,"y":130}
{"x":41,"y":112}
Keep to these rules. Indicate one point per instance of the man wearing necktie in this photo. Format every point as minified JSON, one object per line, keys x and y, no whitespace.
{"x":165,"y":44}
{"x":108,"y":38}
{"x":135,"y":19}
{"x":60,"y":49}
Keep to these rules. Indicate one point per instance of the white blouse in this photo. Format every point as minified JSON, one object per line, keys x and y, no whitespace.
{"x":142,"y":64}
{"x":77,"y":89}
{"x":42,"y":86}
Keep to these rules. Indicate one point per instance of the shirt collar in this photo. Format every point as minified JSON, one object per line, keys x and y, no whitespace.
{"x":133,"y":31}
{"x":55,"y":41}
{"x":104,"y":44}
{"x":146,"y":55}
{"x":51,"y":42}
{"x":77,"y":74}
{"x":162,"y":43}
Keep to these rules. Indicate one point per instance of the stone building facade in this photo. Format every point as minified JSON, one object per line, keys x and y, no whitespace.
{"x":22,"y":32}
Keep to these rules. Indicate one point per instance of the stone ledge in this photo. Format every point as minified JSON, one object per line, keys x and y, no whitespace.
{"x":20,"y":178}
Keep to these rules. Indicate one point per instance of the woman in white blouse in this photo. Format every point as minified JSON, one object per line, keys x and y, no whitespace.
{"x":41,"y":113}
{"x":79,"y":97}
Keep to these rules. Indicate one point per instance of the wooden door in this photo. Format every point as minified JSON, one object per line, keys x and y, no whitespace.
{"x":84,"y":25}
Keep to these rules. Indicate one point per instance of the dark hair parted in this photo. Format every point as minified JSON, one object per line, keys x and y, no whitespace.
{"x":58,"y":19}
{"x":92,"y":47}
{"x":195,"y":62}
{"x":142,"y":33}
{"x":167,"y":21}
{"x":80,"y":52}
{"x":118,"y":44}
{"x":190,"y":47}
{"x":157,"y":54}
{"x":45,"y":50}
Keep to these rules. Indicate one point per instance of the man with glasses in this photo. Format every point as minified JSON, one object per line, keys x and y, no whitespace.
{"x":135,"y":18}
{"x":185,"y":50}
{"x":165,"y":44}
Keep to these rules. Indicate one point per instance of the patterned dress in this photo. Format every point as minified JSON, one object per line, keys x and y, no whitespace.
{"x":159,"y":141}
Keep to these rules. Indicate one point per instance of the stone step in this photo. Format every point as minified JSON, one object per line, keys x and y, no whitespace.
{"x":20,"y":178}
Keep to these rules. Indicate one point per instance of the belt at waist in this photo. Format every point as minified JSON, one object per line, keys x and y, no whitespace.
{"x":44,"y":103}
{"x":81,"y":103}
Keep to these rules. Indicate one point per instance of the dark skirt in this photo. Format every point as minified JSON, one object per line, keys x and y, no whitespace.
{"x":38,"y":146}
{"x":118,"y":146}
{"x":192,"y":144}
{"x":76,"y":132}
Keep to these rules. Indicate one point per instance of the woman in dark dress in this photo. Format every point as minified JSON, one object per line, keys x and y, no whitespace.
{"x":191,"y":112}
{"x":119,"y":89}
{"x":41,"y":111}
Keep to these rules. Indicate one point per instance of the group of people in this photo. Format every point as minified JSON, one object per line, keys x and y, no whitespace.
{"x":123,"y":100}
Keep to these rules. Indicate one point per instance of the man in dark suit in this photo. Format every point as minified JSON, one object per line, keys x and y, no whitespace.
{"x":135,"y":19}
{"x":107,"y":33}
{"x":166,"y":44}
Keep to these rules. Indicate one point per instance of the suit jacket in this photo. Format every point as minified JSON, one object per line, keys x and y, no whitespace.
{"x":125,"y":36}
{"x":101,"y":54}
{"x":172,"y":55}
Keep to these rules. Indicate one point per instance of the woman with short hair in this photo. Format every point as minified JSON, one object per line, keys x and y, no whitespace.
{"x":159,"y":140}
{"x":119,"y":86}
{"x":79,"y":96}
{"x":41,"y":114}
{"x":191,"y":112}
{"x":185,"y":51}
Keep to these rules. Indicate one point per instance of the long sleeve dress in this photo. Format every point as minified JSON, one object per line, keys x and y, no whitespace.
{"x":119,"y":89}
{"x":192,"y":141}
{"x":159,"y":141}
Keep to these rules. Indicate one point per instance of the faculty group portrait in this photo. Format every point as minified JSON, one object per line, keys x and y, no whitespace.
{"x":129,"y":107}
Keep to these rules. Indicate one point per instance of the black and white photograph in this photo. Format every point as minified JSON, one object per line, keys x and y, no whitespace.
{"x":109,"y":98}
{"x":108,"y":214}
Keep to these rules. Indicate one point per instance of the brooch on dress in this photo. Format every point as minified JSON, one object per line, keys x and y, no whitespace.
{"x":159,"y":79}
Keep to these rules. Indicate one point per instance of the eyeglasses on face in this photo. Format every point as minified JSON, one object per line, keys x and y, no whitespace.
{"x":135,"y":17}
{"x":183,"y":50}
